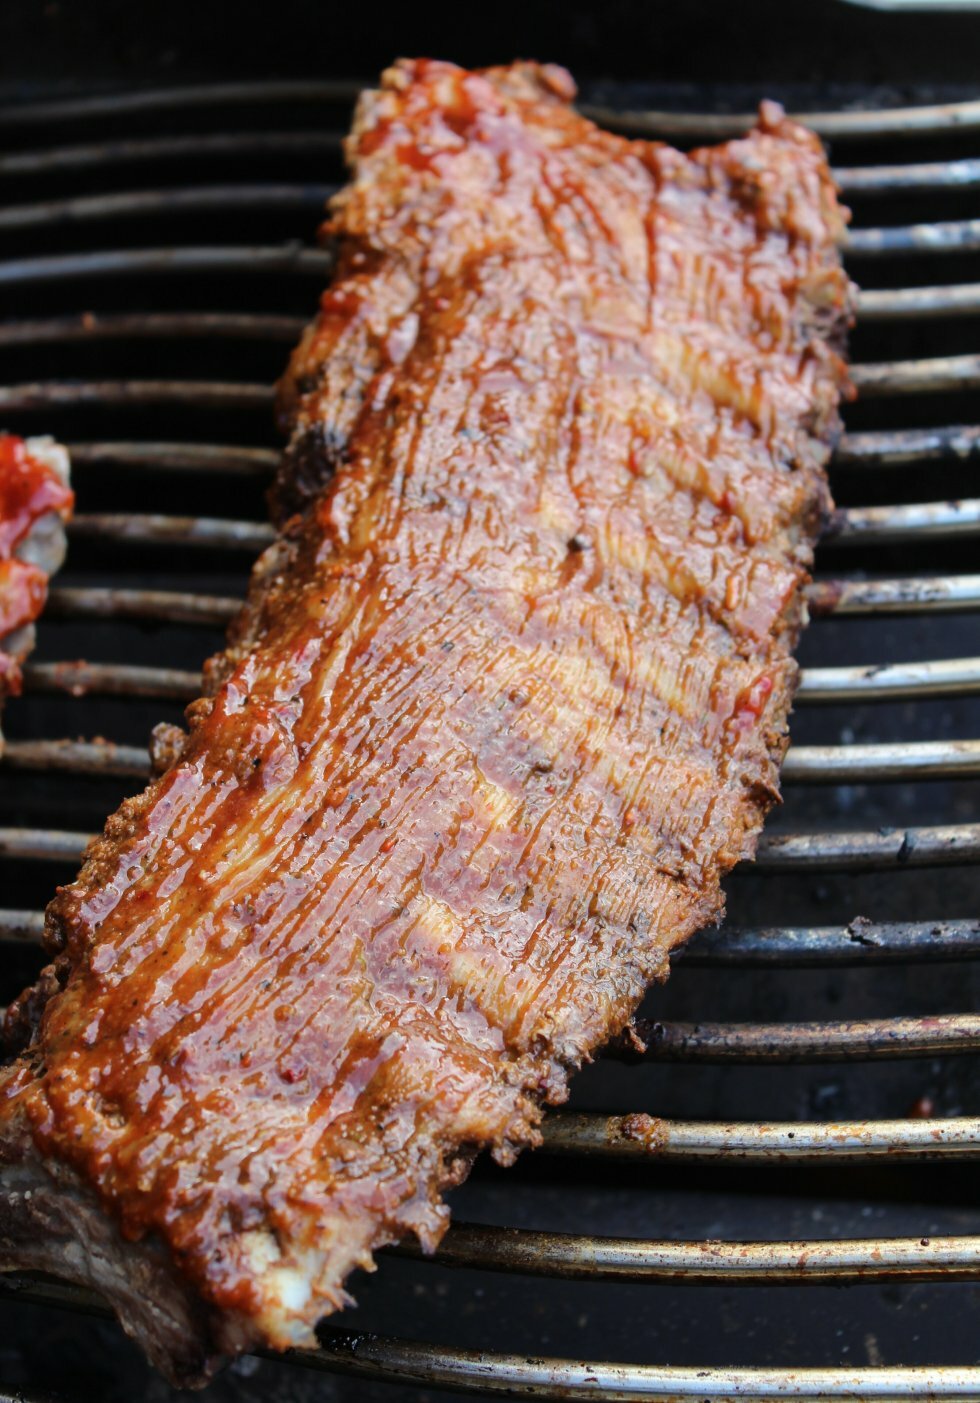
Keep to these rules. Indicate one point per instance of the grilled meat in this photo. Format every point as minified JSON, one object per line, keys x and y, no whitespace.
{"x":35,"y":502}
{"x":508,"y":699}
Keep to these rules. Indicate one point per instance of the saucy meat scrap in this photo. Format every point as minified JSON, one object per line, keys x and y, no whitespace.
{"x":508,"y":698}
{"x":35,"y":502}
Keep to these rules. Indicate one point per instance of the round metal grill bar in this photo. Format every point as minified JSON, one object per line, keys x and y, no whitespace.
{"x":77,"y":757}
{"x":773,"y":1143}
{"x":937,"y":375}
{"x":909,"y":179}
{"x":897,"y":448}
{"x":884,"y":122}
{"x":945,"y":236}
{"x":881,"y":448}
{"x":566,"y":1255}
{"x":206,"y":95}
{"x":870,"y":851}
{"x":843,"y":598}
{"x":942,"y":594}
{"x":22,"y":926}
{"x":814,"y":764}
{"x":367,"y":1355}
{"x":122,"y":394}
{"x":862,"y":942}
{"x":873,"y":304}
{"x":787,"y":1043}
{"x":916,"y":522}
{"x":239,"y":146}
{"x":858,"y":764}
{"x":211,"y":532}
{"x":147,"y":204}
{"x":859,"y":943}
{"x":913,"y":303}
{"x":950,"y":677}
{"x":163,"y":606}
{"x":176,"y":457}
{"x":142,"y":262}
{"x":112,"y":679}
{"x":837,"y":126}
{"x":876,"y":850}
{"x":108,"y":326}
{"x":878,"y":525}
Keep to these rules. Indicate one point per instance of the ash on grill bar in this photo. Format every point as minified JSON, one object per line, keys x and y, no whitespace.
{"x":806,"y":1110}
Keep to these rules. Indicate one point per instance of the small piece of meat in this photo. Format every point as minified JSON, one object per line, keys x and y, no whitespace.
{"x":35,"y":503}
{"x":508,"y":699}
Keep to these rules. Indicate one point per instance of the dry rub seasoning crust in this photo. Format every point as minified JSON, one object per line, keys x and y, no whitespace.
{"x":509,"y":698}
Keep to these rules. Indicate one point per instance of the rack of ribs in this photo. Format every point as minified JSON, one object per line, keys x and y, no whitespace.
{"x":35,"y":503}
{"x":507,"y":700}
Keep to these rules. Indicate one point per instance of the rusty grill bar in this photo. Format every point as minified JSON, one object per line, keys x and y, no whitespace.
{"x":799,"y":1142}
{"x":634,"y":1138}
{"x":706,"y":1263}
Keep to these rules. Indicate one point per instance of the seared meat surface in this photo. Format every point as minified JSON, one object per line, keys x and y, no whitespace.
{"x":35,"y":502}
{"x":508,"y":699}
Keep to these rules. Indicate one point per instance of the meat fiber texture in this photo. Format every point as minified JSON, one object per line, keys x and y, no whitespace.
{"x":508,"y":699}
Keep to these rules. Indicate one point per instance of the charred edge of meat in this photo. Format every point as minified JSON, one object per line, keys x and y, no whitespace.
{"x":23,"y":1015}
{"x":312,"y":456}
{"x":50,"y":1222}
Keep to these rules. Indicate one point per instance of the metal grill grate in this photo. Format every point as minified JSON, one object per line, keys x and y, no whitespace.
{"x":142,"y":567}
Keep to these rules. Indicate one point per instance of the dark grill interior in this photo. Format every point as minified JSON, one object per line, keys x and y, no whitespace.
{"x":814,"y":1061}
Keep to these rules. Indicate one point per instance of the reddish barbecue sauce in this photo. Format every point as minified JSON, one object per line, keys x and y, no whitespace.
{"x":29,"y":489}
